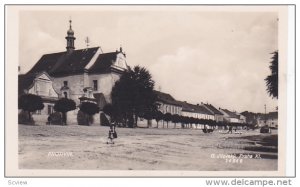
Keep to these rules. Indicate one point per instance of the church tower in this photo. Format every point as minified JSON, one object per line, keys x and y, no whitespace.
{"x":70,"y":39}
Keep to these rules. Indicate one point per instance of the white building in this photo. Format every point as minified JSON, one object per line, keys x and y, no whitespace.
{"x":82,"y":75}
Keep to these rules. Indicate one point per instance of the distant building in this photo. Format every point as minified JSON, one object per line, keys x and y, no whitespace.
{"x":230,"y":116}
{"x":167,"y":103}
{"x":219,"y":116}
{"x":242,"y":118}
{"x":270,"y":119}
{"x":196,"y":111}
{"x":84,"y":75}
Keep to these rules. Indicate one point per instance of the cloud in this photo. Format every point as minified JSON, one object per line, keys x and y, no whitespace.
{"x":216,"y":57}
{"x":192,"y":75}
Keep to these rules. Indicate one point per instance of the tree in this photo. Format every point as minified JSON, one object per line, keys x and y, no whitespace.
{"x":158,"y":116}
{"x":89,"y":109}
{"x":64,"y":105}
{"x":30,"y":103}
{"x":175,"y":119}
{"x":167,"y":118}
{"x":184,"y":121}
{"x":133,"y":96}
{"x":114,"y":112}
{"x":108,"y":109}
{"x":272,"y":80}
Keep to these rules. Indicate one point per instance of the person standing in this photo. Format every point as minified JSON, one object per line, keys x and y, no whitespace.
{"x":112,"y":134}
{"x":110,"y":139}
{"x":230,"y":130}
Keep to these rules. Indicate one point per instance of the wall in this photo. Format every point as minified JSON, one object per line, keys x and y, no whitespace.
{"x":167,"y":108}
{"x":198,"y":115}
{"x":233,"y":120}
{"x":75,"y":84}
{"x":41,"y":117}
{"x":219,"y":117}
{"x":105,"y":83}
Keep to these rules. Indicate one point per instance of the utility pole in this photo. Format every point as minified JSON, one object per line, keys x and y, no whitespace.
{"x":265,"y":114}
{"x":87,"y":41}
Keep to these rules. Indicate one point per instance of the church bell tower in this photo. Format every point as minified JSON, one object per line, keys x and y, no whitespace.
{"x":70,"y":39}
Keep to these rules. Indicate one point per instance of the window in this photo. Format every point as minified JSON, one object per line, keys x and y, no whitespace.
{"x":65,"y":83}
{"x":95,"y":83}
{"x":50,"y":109}
{"x":66,"y":94}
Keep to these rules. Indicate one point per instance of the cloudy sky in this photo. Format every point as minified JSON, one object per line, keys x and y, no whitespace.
{"x":219,"y":57}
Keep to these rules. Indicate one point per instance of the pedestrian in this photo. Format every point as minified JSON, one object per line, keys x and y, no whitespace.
{"x":230,"y":129}
{"x":112,"y":134}
{"x":110,"y":139}
{"x":49,"y":120}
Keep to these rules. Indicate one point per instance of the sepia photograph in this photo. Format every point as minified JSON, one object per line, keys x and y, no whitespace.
{"x":134,"y":90}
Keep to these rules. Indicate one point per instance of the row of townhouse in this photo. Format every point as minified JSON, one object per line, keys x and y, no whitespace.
{"x":168,"y":104}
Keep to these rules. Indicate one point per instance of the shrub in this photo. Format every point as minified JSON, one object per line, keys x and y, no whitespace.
{"x":104,"y":120}
{"x":29,"y":103}
{"x":81,"y":118}
{"x":64,"y":105}
{"x":56,"y":118}
{"x":89,"y":109}
{"x":24,"y":119}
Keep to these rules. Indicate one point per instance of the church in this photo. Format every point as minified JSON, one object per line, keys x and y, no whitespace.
{"x":83,"y":75}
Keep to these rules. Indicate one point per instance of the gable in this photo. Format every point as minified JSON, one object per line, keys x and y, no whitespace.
{"x":120,"y":62}
{"x":43,"y":86}
{"x":43,"y":76}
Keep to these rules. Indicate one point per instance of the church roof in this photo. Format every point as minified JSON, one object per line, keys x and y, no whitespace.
{"x":103,"y":62}
{"x":74,"y":62}
{"x":25,"y":81}
{"x":64,"y":63}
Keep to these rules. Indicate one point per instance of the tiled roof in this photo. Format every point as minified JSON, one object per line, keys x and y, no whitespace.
{"x":24,"y":81}
{"x":213,"y":109}
{"x":63,"y":63}
{"x":103,"y":62}
{"x":231,"y":114}
{"x":272,"y":115}
{"x":188,"y":107}
{"x":166,"y":98}
{"x":201,"y":109}
{"x":73,"y":63}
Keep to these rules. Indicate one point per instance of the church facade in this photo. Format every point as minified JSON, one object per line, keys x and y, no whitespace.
{"x":83,"y":75}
